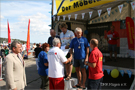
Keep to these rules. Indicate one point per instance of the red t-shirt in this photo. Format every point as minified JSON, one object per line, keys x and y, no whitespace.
{"x":115,"y":35}
{"x":96,"y":57}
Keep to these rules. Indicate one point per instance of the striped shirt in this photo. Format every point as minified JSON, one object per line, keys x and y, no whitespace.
{"x":67,"y":37}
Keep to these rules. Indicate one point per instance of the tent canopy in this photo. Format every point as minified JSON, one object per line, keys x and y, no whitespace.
{"x":94,"y":6}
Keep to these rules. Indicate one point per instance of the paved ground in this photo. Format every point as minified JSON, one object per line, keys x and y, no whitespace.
{"x":33,"y":80}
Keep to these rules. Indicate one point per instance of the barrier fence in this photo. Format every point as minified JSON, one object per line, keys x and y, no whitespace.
{"x":0,"y":68}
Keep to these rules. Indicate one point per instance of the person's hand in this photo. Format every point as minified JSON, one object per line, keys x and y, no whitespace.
{"x":86,"y":61}
{"x":114,"y":38}
{"x":70,"y":59}
{"x":15,"y":89}
{"x":67,"y":47}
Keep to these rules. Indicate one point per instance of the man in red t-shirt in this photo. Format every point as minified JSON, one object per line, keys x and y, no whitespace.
{"x":95,"y":66}
{"x":112,"y":37}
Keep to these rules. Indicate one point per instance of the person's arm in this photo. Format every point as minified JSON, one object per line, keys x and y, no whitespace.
{"x":107,"y":39}
{"x":45,"y":59}
{"x":93,"y":65}
{"x":71,"y":54}
{"x":9,"y":73}
{"x":92,"y":60}
{"x":34,"y":52}
{"x":67,"y":47}
{"x":63,"y":58}
{"x":46,"y":64}
{"x":115,"y":38}
{"x":68,"y":60}
{"x":15,"y":89}
{"x":87,"y":54}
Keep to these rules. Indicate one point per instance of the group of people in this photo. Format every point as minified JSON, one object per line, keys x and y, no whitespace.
{"x":51,"y":62}
{"x":4,"y":50}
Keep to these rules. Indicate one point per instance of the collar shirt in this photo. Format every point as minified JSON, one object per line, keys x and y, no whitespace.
{"x":56,"y":58}
{"x":67,"y":37}
{"x":96,"y":57}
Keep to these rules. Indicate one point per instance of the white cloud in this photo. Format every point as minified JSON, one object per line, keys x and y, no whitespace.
{"x":37,"y":22}
{"x":4,"y":27}
{"x":23,"y":7}
{"x":2,"y":17}
{"x":18,"y":14}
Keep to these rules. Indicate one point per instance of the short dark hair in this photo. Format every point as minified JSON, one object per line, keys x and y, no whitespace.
{"x":37,"y":45}
{"x":63,"y":25}
{"x":13,"y":44}
{"x":94,"y":42}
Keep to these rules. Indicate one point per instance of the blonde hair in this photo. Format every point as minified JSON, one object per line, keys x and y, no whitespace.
{"x":78,"y":29}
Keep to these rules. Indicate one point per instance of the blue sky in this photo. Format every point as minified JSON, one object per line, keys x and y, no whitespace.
{"x":18,"y":12}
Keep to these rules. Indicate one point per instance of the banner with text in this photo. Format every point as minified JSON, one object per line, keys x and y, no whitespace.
{"x":68,"y":6}
{"x":130,"y":33}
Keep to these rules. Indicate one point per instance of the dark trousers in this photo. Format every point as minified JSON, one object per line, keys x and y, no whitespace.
{"x":44,"y":82}
{"x":94,"y":84}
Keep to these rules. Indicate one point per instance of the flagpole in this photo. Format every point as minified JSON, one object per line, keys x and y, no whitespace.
{"x":52,"y":14}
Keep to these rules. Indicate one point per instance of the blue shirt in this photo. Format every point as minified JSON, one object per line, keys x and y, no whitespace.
{"x":79,"y":53}
{"x":42,"y":58}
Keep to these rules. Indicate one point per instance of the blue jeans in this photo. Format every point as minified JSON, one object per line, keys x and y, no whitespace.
{"x":94,"y":84}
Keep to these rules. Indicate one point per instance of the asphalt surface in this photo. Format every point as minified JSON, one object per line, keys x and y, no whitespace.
{"x":109,"y":83}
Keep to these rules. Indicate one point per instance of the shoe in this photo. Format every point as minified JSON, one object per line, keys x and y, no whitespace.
{"x":76,"y":86}
{"x":68,"y":78}
{"x":83,"y":88}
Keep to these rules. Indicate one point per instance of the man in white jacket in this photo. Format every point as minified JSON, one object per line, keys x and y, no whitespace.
{"x":56,"y":60}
